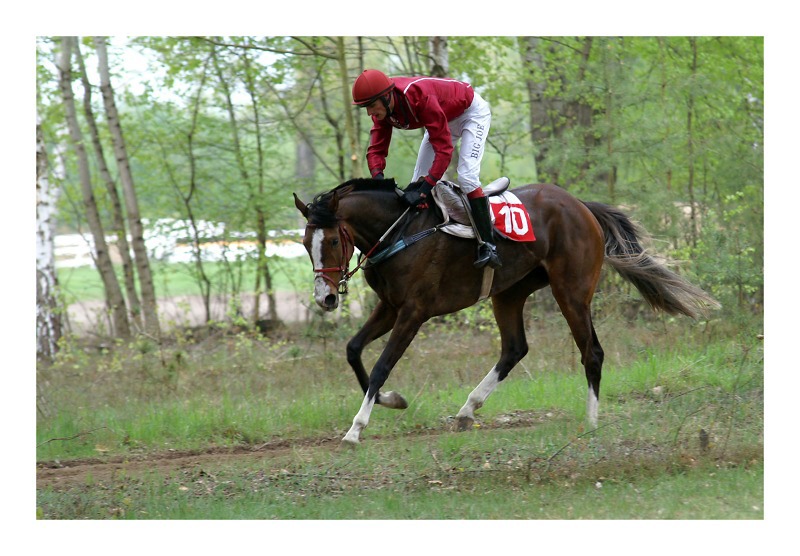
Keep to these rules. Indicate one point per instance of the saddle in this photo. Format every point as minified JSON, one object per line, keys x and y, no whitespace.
{"x":453,"y":204}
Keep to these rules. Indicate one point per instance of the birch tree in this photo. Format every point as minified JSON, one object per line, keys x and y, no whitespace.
{"x":349,"y":120}
{"x":440,"y":60}
{"x":48,"y":318}
{"x":149,"y":307}
{"x":117,"y":216}
{"x":114,"y":299}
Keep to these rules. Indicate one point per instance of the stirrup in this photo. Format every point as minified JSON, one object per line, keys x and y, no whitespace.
{"x":487,"y":254}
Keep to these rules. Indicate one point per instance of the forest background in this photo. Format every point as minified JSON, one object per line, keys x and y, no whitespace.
{"x":223,"y":129}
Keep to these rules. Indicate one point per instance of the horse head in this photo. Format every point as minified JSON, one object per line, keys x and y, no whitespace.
{"x":354,"y":211}
{"x":330,"y":247}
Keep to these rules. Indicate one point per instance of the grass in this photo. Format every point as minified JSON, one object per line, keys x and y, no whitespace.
{"x":680,"y":436}
{"x":374,"y":484}
{"x":83,"y":283}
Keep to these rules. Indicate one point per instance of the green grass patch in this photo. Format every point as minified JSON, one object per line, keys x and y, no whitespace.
{"x":507,"y":475}
{"x":680,"y":433}
{"x":84,"y":284}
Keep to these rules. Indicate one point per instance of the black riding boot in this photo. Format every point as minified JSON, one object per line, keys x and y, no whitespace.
{"x":487,"y":252}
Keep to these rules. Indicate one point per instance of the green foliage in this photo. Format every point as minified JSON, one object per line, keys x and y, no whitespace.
{"x":668,"y":127}
{"x":729,"y":255}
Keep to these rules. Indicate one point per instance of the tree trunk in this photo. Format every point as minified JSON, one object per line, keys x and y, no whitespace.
{"x":361,"y":68}
{"x":440,"y":67}
{"x":611,"y":173}
{"x":149,"y":304}
{"x":580,"y":113}
{"x":305,"y":163}
{"x":241,"y":165}
{"x":117,"y":216}
{"x":664,"y":85}
{"x":440,"y":60}
{"x":262,"y":269}
{"x":332,"y":119}
{"x":114,"y":300}
{"x":203,"y":281}
{"x":554,"y":112}
{"x":48,"y":318}
{"x":350,"y":127}
{"x":538,"y":107}
{"x":690,"y":145}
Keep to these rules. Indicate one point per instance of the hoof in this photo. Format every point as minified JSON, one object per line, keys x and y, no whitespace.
{"x":464,"y":423}
{"x":349,"y":442}
{"x":393,"y":400}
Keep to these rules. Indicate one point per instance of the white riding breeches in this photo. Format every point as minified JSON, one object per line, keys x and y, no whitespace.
{"x":472,"y":128}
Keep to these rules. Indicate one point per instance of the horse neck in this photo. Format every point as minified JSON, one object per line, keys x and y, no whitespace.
{"x":369,"y":215}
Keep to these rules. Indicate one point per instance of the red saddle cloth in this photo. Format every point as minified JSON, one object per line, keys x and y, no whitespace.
{"x":511,"y":218}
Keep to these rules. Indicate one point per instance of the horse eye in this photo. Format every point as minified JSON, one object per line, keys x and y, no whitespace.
{"x":335,"y":242}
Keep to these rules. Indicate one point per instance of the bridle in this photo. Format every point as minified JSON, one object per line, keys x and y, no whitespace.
{"x":346,"y":240}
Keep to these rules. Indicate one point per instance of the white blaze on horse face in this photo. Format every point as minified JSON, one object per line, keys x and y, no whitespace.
{"x":322,"y":288}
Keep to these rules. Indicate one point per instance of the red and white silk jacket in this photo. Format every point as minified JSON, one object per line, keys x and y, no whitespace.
{"x":428,"y":102}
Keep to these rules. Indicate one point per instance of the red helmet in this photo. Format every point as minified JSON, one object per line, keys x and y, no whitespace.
{"x":370,"y":85}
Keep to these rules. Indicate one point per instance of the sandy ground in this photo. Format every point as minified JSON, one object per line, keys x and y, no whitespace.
{"x":187,"y":310}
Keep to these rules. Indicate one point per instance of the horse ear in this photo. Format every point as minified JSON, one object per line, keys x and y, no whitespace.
{"x":301,"y":206}
{"x":334,"y":202}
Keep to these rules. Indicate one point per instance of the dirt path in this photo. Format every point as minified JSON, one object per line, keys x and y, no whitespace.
{"x":75,"y":473}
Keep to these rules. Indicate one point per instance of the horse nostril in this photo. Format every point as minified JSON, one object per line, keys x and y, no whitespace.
{"x":330,"y":301}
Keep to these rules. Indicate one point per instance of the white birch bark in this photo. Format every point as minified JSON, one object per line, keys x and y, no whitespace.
{"x":48,"y":318}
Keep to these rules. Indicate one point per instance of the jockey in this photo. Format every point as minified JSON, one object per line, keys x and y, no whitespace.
{"x":448,"y":110}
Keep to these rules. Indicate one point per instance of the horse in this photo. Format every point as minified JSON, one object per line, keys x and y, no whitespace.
{"x":430,"y":273}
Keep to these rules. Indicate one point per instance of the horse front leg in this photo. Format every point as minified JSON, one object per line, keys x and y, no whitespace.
{"x":380,"y":321}
{"x":507,"y":309}
{"x":405,"y":329}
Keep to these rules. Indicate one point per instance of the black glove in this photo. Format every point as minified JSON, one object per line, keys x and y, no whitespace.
{"x":378,"y":176}
{"x":417,"y":194}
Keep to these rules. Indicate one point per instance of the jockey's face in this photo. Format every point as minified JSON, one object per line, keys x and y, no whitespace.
{"x":378,"y":109}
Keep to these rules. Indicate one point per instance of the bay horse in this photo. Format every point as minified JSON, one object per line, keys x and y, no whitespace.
{"x":435,"y":276}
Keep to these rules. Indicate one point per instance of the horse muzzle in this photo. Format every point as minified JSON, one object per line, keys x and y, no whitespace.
{"x":325,"y":296}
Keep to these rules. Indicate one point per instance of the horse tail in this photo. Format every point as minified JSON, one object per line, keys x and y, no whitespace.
{"x":660,"y":287}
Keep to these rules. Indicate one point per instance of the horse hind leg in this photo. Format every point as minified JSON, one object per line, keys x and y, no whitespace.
{"x":593,"y":369}
{"x":576,"y":310}
{"x":508,"y":314}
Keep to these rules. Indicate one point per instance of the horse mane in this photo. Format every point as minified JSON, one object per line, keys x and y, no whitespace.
{"x":319,"y":212}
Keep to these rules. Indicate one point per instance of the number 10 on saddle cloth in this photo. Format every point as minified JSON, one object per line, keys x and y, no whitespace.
{"x":511,"y":218}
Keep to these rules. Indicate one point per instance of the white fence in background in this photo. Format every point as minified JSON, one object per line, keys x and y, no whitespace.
{"x":170,"y":240}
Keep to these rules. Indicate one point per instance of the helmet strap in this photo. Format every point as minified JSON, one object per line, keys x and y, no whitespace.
{"x":385,"y":99}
